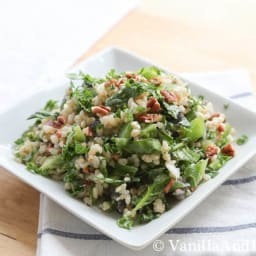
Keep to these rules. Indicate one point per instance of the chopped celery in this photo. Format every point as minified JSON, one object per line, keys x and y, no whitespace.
{"x":149,"y":131}
{"x":125,"y":131}
{"x":143,"y":146}
{"x":195,"y":172}
{"x":196,"y":130}
{"x":78,"y":134}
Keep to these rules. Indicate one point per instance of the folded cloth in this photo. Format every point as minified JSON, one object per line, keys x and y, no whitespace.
{"x":224,"y":224}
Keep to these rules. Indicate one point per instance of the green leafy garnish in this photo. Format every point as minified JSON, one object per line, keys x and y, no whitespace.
{"x":242,"y":140}
{"x":149,"y":72}
{"x":195,"y":172}
{"x":50,"y":105}
{"x":121,"y":97}
{"x":43,"y":114}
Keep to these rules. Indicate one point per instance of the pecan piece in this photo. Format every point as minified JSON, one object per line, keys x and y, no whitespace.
{"x":153,"y":105}
{"x":155,"y":80}
{"x":228,"y":150}
{"x":211,"y":151}
{"x":110,"y":82}
{"x":213,"y":116}
{"x":168,"y":96}
{"x":120,"y":82}
{"x":101,"y":110}
{"x":149,"y":118}
{"x":62,"y":119}
{"x":130,"y":75}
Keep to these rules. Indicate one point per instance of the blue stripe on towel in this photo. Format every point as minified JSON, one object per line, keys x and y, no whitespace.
{"x":241,"y":95}
{"x":240,"y":181}
{"x":171,"y":231}
{"x":192,"y":230}
{"x":72,"y":235}
{"x":211,"y":229}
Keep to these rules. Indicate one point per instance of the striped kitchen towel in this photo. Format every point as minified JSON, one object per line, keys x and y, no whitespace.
{"x":224,"y":224}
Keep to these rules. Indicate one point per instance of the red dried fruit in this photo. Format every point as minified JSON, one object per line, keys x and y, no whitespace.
{"x":169,"y":186}
{"x":221,"y":128}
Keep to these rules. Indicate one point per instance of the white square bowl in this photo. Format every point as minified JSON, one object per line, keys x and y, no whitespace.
{"x":13,"y":123}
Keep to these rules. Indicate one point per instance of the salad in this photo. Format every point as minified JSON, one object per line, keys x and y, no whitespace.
{"x":134,"y":143}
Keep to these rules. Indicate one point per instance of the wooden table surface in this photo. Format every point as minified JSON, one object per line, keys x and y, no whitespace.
{"x":218,"y":35}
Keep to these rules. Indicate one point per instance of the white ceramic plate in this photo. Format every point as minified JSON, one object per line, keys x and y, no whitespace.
{"x":13,"y":123}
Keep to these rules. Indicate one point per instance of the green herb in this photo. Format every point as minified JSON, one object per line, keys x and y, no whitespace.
{"x":73,"y":144}
{"x":87,"y":79}
{"x":172,"y":110}
{"x":143,"y":146}
{"x":149,"y":131}
{"x":125,"y":131}
{"x":112,"y":74}
{"x":108,"y":180}
{"x":149,"y":72}
{"x":43,"y":114}
{"x":197,"y":129}
{"x":218,"y":163}
{"x":122,"y":170}
{"x":186,"y":154}
{"x":19,"y":141}
{"x":153,"y":192}
{"x":50,"y":105}
{"x":125,"y":222}
{"x":242,"y":140}
{"x":195,"y":172}
{"x":226,"y":106}
{"x":121,"y":97}
{"x":84,"y":97}
{"x":80,"y":149}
